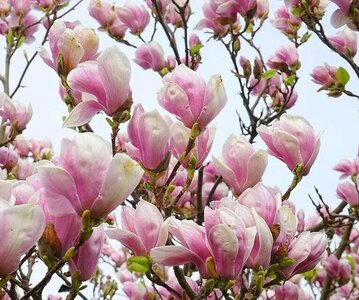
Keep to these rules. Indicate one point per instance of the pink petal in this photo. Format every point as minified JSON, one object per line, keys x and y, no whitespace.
{"x":83,"y":113}
{"x":21,"y":227}
{"x":85,"y":78}
{"x":176,"y":256}
{"x":122,"y":177}
{"x":60,"y":191}
{"x":224,"y":247}
{"x":289,"y":148}
{"x":214,"y":100}
{"x":149,"y":221}
{"x":115,"y":72}
{"x":128,"y":239}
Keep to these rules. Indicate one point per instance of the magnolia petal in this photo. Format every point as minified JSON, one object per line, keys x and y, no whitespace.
{"x":176,"y":256}
{"x":60,"y":191}
{"x":83,"y":113}
{"x":214,"y":100}
{"x":289,"y":148}
{"x":148,"y":225}
{"x":21,"y":227}
{"x":122,"y":177}
{"x":128,"y":239}
{"x":86,"y":79}
{"x":115,"y":71}
{"x":224,"y":248}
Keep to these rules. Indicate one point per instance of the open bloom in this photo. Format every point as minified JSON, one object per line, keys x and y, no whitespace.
{"x":88,"y":177}
{"x":21,"y":227}
{"x":292,"y":140}
{"x":218,"y":250}
{"x":69,"y":47}
{"x":285,"y":59}
{"x":241,"y":165}
{"x":142,"y":228}
{"x":106,"y":83}
{"x":186,"y":95}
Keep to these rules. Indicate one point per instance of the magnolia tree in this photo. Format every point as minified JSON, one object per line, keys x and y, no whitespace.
{"x":189,"y":226}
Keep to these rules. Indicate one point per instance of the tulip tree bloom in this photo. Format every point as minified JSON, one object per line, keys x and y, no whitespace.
{"x":292,"y":140}
{"x":142,"y":228}
{"x":240,"y":165}
{"x":186,"y":95}
{"x":106,"y":84}
{"x":349,"y":193}
{"x":21,"y":227}
{"x":88,"y":177}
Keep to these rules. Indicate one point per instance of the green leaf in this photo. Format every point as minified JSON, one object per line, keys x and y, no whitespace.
{"x":342,"y":76}
{"x":20,"y":42}
{"x":140,"y":264}
{"x":269,"y":74}
{"x":195,"y":49}
{"x":305,"y":37}
{"x":286,"y":261}
{"x":290,"y":80}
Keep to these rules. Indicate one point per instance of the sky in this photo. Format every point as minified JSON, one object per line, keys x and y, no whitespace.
{"x":336,"y":120}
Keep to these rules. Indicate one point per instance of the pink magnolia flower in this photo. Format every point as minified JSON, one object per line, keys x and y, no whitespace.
{"x":285,"y":59}
{"x":143,"y":228}
{"x":4,"y":8}
{"x":292,"y":140}
{"x":172,"y":15}
{"x":20,"y":7}
{"x":8,"y":158}
{"x":49,"y":5}
{"x":347,"y":167}
{"x":337,"y":269}
{"x":345,"y":42}
{"x":349,"y":193}
{"x":284,"y":21}
{"x":150,"y":56}
{"x":306,"y":250}
{"x":230,"y":8}
{"x":344,"y":15}
{"x":186,"y":95}
{"x":288,"y":290}
{"x":17,"y":113}
{"x":69,"y":47}
{"x":21,"y":227}
{"x":72,"y":186}
{"x":135,"y":17}
{"x":103,"y":12}
{"x":180,"y":138}
{"x":240,"y":165}
{"x":225,"y":243}
{"x":212,"y":20}
{"x":86,"y":258}
{"x":149,"y":135}
{"x":325,"y":75}
{"x":106,"y":83}
{"x":265,"y":200}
